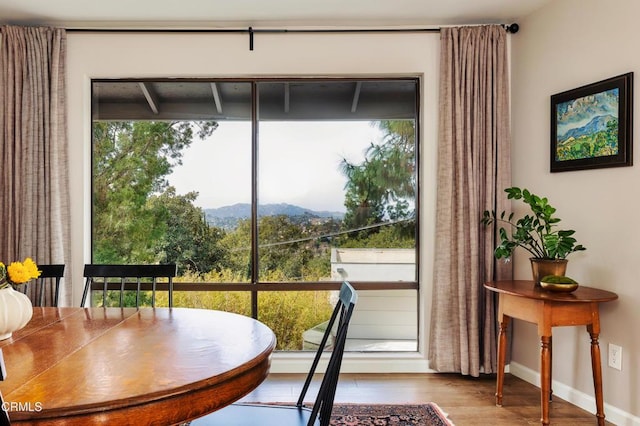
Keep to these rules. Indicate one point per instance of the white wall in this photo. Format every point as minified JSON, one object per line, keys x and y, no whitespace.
{"x":111,"y":55}
{"x":567,"y":44}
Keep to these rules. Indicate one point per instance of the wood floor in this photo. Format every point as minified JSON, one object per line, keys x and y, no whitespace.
{"x":468,"y":401}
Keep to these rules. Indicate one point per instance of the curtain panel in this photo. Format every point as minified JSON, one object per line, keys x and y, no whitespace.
{"x":34,"y":194}
{"x":473,"y":169}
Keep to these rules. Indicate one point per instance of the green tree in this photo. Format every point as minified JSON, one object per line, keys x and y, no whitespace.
{"x":188,"y":240}
{"x":389,"y":236}
{"x":288,"y":247}
{"x":131,"y":161}
{"x":379,"y":188}
{"x":237,"y":245}
{"x":382,"y":187}
{"x":282,"y":247}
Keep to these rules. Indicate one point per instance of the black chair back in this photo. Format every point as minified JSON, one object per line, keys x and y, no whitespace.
{"x":50,"y":276}
{"x":340,"y":320}
{"x":123,"y":278}
{"x":334,"y":338}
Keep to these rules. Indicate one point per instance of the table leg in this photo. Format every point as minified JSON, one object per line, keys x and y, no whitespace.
{"x":550,"y":369}
{"x":545,"y":377}
{"x":502,"y":354}
{"x":596,"y":368}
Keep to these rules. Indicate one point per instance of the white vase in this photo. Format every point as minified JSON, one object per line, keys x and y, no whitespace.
{"x":15,"y":311}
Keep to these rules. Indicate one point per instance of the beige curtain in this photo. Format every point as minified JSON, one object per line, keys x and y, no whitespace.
{"x":34,"y":193}
{"x":473,"y":170}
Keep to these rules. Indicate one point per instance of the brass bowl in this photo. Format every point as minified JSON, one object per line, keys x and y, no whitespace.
{"x":562,"y":288}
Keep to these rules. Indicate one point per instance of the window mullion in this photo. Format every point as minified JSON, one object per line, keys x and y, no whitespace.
{"x":254,"y":197}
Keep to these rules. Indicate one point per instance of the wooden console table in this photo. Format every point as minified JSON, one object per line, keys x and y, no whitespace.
{"x":523,"y":300}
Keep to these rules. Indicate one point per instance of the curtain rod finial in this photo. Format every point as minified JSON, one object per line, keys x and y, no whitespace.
{"x":513,"y":28}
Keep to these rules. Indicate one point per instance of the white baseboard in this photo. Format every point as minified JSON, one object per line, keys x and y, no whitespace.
{"x":575,"y":397}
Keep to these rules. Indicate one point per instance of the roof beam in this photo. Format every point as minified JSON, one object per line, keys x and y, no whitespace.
{"x":216,"y":97}
{"x":356,"y":97}
{"x":150,"y":96}
{"x":286,"y":98}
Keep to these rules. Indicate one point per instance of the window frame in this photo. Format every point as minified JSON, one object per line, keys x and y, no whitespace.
{"x":255,"y":285}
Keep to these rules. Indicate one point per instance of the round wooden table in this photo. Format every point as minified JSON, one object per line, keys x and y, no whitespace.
{"x":86,"y":366}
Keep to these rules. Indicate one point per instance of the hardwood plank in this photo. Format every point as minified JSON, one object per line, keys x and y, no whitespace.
{"x":469,"y":401}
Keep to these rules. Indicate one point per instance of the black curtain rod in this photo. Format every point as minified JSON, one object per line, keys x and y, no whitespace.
{"x":512,"y":28}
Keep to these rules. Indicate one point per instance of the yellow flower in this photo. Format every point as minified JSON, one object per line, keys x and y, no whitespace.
{"x":32,"y":268}
{"x":18,"y":274}
{"x":21,"y":272}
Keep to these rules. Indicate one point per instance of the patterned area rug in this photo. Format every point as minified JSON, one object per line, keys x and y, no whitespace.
{"x":389,"y":415}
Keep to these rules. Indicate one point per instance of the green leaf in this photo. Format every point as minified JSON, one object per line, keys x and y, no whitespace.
{"x":535,"y":232}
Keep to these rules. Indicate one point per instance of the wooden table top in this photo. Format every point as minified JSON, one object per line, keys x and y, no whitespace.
{"x":524,"y":288}
{"x":125,"y":366}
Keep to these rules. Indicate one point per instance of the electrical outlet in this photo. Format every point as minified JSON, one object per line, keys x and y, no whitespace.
{"x":615,"y":356}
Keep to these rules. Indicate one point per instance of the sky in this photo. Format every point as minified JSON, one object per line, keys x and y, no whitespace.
{"x":298,"y":163}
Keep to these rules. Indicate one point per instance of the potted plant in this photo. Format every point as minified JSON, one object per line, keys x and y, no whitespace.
{"x":535,"y":232}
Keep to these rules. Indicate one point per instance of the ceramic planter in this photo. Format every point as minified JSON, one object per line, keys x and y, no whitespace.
{"x":15,"y":311}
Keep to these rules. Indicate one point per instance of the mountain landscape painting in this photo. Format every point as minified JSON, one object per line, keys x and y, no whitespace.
{"x":587,"y":126}
{"x":592,"y":126}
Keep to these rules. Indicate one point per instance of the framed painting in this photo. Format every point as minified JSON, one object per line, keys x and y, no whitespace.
{"x":591,"y":126}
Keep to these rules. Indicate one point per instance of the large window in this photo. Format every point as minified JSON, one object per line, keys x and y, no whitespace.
{"x":267,"y":194}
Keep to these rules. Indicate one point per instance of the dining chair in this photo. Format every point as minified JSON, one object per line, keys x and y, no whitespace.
{"x":241,"y":414}
{"x":50,"y":276}
{"x":4,"y":415}
{"x":125,"y":278}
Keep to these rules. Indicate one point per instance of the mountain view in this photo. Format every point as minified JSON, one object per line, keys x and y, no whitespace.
{"x":598,"y":124}
{"x":227,"y":217}
{"x":586,"y":115}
